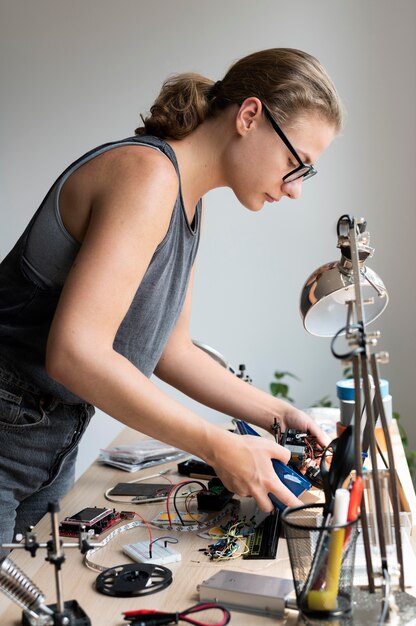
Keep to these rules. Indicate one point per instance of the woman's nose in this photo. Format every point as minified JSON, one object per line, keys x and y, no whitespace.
{"x":293,"y":189}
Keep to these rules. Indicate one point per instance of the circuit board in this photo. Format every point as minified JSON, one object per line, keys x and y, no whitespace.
{"x":92,"y":520}
{"x":262,"y":544}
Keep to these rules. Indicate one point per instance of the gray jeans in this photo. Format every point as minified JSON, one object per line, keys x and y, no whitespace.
{"x":39,"y":438}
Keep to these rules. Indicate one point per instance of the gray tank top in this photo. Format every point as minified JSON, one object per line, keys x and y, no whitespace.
{"x":33,"y":274}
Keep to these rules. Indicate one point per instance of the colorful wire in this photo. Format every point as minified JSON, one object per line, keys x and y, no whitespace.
{"x":146,"y":616}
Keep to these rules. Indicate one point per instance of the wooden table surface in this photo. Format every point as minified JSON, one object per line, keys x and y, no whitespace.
{"x":194,"y":567}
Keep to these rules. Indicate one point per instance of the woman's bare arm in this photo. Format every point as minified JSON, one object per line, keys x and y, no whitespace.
{"x":128,"y":219}
{"x":191,"y":370}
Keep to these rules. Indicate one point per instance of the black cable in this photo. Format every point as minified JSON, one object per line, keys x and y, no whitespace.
{"x":344,"y":218}
{"x":175,"y":506}
{"x":383,"y":458}
{"x":176,"y":492}
{"x":348,"y":355}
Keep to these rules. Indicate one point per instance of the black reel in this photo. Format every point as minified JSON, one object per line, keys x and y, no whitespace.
{"x":133,"y":580}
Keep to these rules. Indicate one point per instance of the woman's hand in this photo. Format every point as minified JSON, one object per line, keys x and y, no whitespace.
{"x":243,"y":463}
{"x":291,"y":417}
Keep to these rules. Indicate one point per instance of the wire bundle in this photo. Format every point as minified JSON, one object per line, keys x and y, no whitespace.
{"x":174,"y":492}
{"x":231,"y":542}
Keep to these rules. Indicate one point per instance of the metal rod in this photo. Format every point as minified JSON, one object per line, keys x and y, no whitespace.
{"x":359,"y":470}
{"x":393,"y":475}
{"x":367,"y":546}
{"x":357,"y":415}
{"x":379,"y":291}
{"x":356,"y":272}
{"x":373,"y":455}
{"x":57,"y":557}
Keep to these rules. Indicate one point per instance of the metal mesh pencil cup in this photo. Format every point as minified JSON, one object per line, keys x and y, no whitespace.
{"x":322,"y":561}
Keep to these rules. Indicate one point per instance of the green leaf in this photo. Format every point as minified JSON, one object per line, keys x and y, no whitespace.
{"x":280,"y":390}
{"x":324,"y":402}
{"x":280,"y":375}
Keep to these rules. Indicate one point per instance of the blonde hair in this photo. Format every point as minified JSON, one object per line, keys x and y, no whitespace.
{"x":288,"y":81}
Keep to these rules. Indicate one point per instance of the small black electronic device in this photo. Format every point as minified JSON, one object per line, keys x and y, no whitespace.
{"x":196,"y":469}
{"x":141,"y":491}
{"x":313,"y":474}
{"x":305,"y":455}
{"x":93,"y":519}
{"x":215,"y":498}
{"x":295,"y":442}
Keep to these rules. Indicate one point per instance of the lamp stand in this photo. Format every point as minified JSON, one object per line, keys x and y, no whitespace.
{"x":364,"y":363}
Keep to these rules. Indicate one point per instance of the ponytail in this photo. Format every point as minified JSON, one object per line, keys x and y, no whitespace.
{"x":181,"y":106}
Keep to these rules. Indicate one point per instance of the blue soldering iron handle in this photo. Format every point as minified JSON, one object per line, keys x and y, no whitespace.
{"x":289,"y":477}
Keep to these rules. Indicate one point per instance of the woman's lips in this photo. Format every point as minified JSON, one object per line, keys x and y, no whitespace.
{"x":270,"y":198}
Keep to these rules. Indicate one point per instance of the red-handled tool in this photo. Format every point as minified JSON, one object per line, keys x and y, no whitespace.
{"x":355,"y":504}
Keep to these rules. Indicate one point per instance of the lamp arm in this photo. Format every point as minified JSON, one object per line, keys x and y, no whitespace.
{"x":356,"y":272}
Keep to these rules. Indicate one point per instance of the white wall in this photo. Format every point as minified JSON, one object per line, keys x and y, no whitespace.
{"x":75,"y":74}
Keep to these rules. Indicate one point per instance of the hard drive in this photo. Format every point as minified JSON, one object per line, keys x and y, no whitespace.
{"x":249,"y":593}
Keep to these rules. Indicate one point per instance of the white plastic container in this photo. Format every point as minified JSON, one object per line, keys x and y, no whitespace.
{"x":346,"y":396}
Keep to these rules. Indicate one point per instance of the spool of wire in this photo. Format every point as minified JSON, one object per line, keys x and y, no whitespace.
{"x":18,"y":587}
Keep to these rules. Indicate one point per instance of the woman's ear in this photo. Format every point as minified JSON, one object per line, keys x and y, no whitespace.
{"x":249,"y":113}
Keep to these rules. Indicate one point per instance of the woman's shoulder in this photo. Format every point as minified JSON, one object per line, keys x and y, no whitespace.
{"x":126,"y":177}
{"x":141,"y":160}
{"x":123,"y":166}
{"x":139,"y":172}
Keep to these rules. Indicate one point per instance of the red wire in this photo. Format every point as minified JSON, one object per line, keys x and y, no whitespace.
{"x":166,"y":478}
{"x":174,"y":617}
{"x":311,"y":453}
{"x":150,"y":533}
{"x":204,"y":607}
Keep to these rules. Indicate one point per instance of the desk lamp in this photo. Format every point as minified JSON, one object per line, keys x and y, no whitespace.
{"x":331,"y":287}
{"x":339,"y":300}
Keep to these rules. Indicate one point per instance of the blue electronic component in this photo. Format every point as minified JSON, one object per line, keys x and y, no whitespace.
{"x":289,"y":477}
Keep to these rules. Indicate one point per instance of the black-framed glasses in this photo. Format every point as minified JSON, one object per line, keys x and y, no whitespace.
{"x":303,"y":170}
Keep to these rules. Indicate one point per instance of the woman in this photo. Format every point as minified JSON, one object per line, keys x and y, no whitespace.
{"x":96,"y":294}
